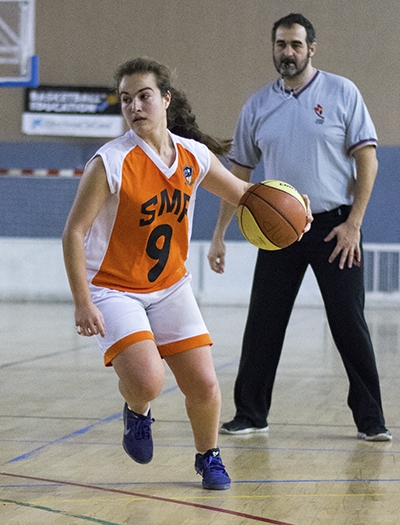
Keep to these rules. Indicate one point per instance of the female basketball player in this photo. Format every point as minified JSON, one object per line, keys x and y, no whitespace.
{"x":125,"y":245}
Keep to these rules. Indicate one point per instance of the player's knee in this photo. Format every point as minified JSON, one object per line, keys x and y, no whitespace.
{"x":207,"y":389}
{"x":144,"y":389}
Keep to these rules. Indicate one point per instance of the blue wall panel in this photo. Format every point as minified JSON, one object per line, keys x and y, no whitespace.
{"x":38,"y":207}
{"x":382,"y":220}
{"x":35,"y":207}
{"x":46,"y":155}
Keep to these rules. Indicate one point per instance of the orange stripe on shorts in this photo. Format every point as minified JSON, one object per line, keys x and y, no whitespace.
{"x":123,"y":343}
{"x":185,"y":344}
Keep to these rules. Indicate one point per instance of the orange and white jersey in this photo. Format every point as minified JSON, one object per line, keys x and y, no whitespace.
{"x":139,"y":242}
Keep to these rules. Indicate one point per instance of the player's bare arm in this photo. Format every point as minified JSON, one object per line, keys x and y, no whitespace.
{"x":221,"y":182}
{"x":92,"y":192}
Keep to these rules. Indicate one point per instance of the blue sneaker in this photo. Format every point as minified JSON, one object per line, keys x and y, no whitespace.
{"x":137,"y":442}
{"x":210,"y":466}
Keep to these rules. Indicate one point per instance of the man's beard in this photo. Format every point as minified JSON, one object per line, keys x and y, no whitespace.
{"x":290,"y":72}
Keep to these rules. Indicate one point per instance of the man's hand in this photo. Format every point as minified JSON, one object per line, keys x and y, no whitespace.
{"x":347,"y":245}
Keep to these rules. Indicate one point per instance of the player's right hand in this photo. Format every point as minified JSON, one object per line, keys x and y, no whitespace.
{"x":89,"y":320}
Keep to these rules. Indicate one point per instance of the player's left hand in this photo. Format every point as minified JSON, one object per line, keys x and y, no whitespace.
{"x":348,"y":244}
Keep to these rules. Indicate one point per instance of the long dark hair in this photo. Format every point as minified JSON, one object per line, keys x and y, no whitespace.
{"x":180,"y":118}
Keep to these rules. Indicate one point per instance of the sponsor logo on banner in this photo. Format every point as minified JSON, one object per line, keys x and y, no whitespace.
{"x":72,"y":111}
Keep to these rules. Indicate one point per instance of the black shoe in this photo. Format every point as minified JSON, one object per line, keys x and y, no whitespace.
{"x":240,"y":426}
{"x":375,"y":434}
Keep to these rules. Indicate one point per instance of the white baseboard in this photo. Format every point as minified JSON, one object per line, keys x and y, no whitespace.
{"x":33,"y":270}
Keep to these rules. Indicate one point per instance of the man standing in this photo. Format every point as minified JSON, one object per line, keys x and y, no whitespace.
{"x":311,"y":129}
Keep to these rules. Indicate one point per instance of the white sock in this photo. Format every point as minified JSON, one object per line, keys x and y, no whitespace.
{"x":145,"y":414}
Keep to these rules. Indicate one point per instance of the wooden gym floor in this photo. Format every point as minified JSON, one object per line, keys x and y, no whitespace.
{"x":62,"y":463}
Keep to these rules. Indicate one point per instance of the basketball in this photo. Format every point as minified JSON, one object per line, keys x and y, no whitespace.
{"x":272,"y":215}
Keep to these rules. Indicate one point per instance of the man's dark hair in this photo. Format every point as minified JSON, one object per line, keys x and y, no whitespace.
{"x":296,"y":18}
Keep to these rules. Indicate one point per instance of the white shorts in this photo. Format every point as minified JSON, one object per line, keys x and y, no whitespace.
{"x":170,"y":317}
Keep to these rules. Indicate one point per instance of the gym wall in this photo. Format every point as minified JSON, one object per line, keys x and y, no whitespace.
{"x":220,"y":51}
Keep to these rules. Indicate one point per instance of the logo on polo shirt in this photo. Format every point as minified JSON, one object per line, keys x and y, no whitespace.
{"x":318,"y":111}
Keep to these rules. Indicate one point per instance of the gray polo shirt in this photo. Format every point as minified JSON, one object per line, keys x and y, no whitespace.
{"x":306,"y":139}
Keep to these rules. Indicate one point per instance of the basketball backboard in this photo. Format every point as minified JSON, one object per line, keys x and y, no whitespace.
{"x":19,"y":66}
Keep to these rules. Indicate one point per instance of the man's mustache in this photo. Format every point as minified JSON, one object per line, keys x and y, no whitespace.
{"x":287,"y":61}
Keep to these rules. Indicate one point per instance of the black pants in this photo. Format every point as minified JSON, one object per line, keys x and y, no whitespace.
{"x":277,"y":279}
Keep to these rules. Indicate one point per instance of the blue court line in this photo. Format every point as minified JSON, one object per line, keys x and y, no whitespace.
{"x":118,"y":415}
{"x":165,"y":499}
{"x":267,"y":448}
{"x":225,"y":447}
{"x":373,"y":480}
{"x":173,"y":388}
{"x":235,"y":482}
{"x":78,"y":432}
